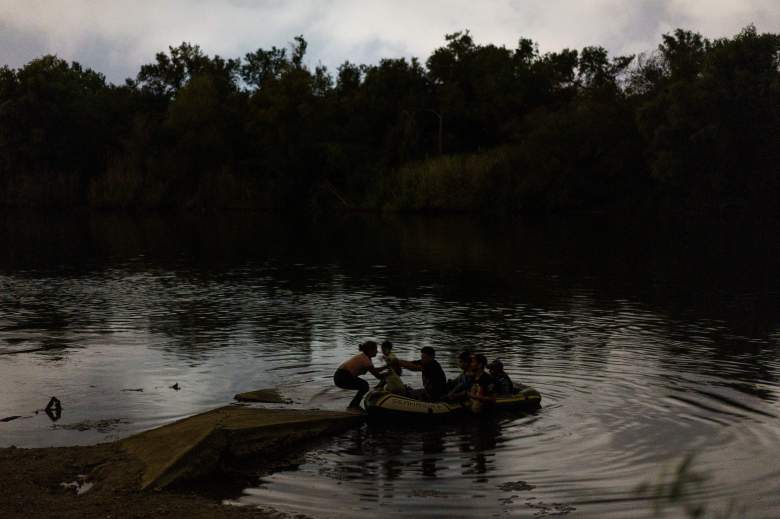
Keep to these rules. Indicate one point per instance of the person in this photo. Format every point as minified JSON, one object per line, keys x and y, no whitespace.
{"x":434,"y":379}
{"x":482,"y":392}
{"x":460,"y":385}
{"x":392,"y":380}
{"x":347,"y":375}
{"x":504,"y":384}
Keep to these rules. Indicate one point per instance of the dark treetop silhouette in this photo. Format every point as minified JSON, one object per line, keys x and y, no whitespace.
{"x":693,"y":126}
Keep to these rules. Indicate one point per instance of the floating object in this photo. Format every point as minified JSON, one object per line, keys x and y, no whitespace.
{"x":381,"y":404}
{"x":9,"y":418}
{"x":54,"y":409}
{"x":176,"y":387}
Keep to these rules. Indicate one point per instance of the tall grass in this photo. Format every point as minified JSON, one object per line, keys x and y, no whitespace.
{"x":470,"y":182}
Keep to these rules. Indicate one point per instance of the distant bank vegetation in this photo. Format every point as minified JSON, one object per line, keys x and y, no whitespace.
{"x":693,"y":126}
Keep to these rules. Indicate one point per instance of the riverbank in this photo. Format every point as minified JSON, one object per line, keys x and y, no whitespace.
{"x":132,"y":478}
{"x":32,"y":484}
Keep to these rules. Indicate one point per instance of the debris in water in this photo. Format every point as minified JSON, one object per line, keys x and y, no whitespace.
{"x":550,"y":509}
{"x":139,"y":390}
{"x":516,"y":485}
{"x":176,"y":386}
{"x":9,"y":418}
{"x":54,"y":409}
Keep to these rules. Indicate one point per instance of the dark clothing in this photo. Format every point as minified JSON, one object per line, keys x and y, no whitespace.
{"x":434,"y":380}
{"x":459,"y":384}
{"x":346,"y":380}
{"x":504,"y":385}
{"x":487,"y":383}
{"x":420,"y":394}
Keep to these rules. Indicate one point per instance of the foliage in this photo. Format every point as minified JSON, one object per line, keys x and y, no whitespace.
{"x":682,"y":487}
{"x":693,"y":126}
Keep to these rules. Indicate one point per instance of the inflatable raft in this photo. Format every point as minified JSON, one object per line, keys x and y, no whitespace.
{"x":380,"y":403}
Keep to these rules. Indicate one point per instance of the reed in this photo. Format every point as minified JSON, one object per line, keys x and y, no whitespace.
{"x":467,"y":182}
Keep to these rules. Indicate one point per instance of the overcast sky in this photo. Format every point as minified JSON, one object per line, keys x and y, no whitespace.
{"x":115,"y":37}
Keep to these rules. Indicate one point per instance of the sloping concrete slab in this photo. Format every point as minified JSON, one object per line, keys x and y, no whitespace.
{"x":195,"y":446}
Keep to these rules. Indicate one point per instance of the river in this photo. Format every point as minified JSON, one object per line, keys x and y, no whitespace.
{"x":656,"y":349}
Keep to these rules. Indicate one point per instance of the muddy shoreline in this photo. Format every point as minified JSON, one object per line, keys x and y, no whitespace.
{"x":177,"y":470}
{"x":31,"y":485}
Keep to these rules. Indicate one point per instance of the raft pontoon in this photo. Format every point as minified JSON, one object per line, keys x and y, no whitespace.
{"x":380,"y":403}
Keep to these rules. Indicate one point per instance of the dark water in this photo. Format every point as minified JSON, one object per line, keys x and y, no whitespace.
{"x":650,"y":346}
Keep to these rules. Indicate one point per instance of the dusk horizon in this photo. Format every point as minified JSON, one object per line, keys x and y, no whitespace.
{"x":111,"y":40}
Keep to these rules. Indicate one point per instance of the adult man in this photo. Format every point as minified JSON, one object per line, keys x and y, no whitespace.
{"x":434,"y":379}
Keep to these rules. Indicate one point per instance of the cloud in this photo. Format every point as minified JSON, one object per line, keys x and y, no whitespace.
{"x":117,"y":37}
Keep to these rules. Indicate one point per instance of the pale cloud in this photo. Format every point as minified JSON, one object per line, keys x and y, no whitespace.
{"x":117,"y":37}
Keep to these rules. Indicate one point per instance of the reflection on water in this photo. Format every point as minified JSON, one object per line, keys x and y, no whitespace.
{"x":647,"y":345}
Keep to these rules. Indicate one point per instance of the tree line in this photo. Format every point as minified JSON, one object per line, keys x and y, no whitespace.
{"x":693,"y":126}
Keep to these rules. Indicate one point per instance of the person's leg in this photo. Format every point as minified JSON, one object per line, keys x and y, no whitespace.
{"x":346,"y":380}
{"x":362,"y":390}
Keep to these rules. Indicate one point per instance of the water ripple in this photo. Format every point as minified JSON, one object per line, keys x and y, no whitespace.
{"x":633,"y":379}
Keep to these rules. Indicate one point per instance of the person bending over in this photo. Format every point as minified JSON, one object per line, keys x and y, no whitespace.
{"x":347,"y":376}
{"x":434,"y":379}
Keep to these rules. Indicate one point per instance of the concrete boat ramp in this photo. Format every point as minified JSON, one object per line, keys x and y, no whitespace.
{"x":196,"y":446}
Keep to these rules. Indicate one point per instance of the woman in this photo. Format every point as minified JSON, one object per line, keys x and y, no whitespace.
{"x":483,"y":388}
{"x":348,"y":374}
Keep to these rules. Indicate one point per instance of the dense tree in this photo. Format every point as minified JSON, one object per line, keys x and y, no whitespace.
{"x":692,"y":126}
{"x":54,"y":121}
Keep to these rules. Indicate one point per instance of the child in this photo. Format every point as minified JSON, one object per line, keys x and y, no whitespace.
{"x":504,"y":385}
{"x":393,"y":381}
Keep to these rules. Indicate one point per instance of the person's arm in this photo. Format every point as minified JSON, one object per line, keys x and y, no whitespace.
{"x":411,"y":366}
{"x":459,"y":386}
{"x":377,"y":372}
{"x":457,"y":394}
